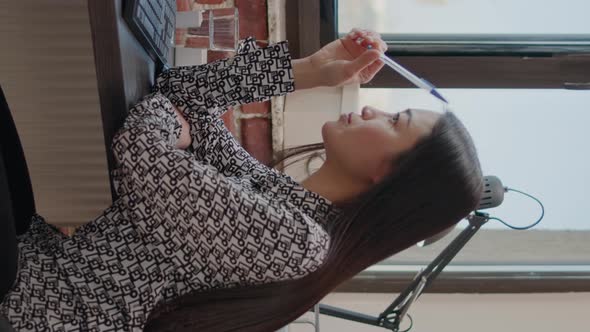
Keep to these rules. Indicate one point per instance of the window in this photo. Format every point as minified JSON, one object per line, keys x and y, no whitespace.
{"x":505,"y":17}
{"x":531,"y":139}
{"x":461,"y":44}
{"x":517,"y":74}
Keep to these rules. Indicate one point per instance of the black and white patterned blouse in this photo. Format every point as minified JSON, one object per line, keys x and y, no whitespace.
{"x":188,"y":220}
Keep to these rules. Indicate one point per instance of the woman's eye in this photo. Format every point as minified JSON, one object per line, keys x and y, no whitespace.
{"x":395,"y":118}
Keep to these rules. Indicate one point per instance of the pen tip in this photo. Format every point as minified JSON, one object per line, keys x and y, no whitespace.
{"x":437,"y":95}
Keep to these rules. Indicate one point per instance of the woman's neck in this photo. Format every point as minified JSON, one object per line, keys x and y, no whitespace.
{"x":335,"y":185}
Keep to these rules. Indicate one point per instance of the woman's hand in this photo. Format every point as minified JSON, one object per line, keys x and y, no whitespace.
{"x":343,"y":61}
{"x":184,"y":141}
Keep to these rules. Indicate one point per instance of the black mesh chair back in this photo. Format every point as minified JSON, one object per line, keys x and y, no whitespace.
{"x":17,"y":204}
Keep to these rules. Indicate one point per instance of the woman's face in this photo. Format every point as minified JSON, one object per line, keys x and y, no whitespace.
{"x":366,"y":145}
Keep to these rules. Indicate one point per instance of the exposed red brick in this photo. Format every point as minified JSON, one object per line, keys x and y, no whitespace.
{"x":179,"y":36}
{"x":202,"y":30}
{"x":252,"y":16}
{"x":256,"y":138}
{"x":184,"y":5}
{"x":228,"y":120}
{"x":262,"y":43}
{"x":222,"y":41}
{"x":224,"y":11}
{"x":216,"y":55}
{"x":210,"y":2}
{"x":257,"y":108}
{"x":197,"y":42}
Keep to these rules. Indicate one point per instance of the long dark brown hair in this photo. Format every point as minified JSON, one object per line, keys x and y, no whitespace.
{"x":434,"y":186}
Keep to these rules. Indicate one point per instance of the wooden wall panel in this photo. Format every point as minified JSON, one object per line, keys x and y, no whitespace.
{"x":48,"y":75}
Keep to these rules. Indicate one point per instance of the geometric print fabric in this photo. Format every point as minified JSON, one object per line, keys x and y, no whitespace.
{"x":188,"y":220}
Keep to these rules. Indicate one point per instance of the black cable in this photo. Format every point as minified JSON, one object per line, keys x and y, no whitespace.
{"x":523,"y":227}
{"x":411,"y":323}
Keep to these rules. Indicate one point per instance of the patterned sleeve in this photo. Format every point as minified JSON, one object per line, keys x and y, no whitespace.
{"x":214,"y":231}
{"x":254,"y":74}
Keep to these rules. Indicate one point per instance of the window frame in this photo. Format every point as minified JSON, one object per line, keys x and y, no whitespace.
{"x":457,"y":61}
{"x":520,"y":62}
{"x":472,"y":282}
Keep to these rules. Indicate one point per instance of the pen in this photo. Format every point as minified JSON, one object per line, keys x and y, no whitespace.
{"x":419,"y":82}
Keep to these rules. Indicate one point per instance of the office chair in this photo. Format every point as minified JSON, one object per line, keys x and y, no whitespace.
{"x":17,"y":204}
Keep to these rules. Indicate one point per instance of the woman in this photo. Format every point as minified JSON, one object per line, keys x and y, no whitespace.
{"x":198,"y":215}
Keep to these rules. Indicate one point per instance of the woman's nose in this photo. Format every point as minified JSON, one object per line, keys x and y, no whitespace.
{"x":367,"y":113}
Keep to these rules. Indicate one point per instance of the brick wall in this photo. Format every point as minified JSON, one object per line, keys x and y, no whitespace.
{"x":250,"y":124}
